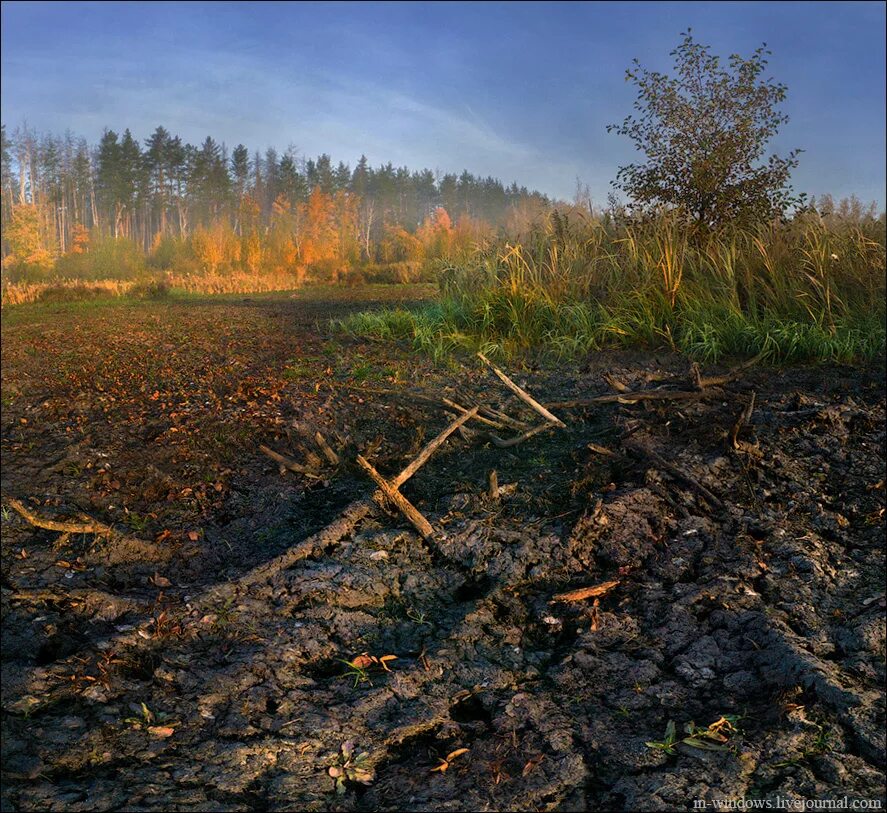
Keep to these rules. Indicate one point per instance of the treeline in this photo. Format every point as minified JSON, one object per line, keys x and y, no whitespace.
{"x":61,"y":196}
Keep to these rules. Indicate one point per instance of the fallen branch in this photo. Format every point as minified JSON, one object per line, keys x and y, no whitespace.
{"x":422,"y":525}
{"x":288,"y":462}
{"x":586,"y":592}
{"x":43,"y":695}
{"x":87,"y":525}
{"x":615,"y":383}
{"x":631,"y":397}
{"x":326,"y":449}
{"x":522,"y":394}
{"x":480,"y":418}
{"x":431,"y":448}
{"x":501,"y":443}
{"x":702,"y":382}
{"x":514,"y":423}
{"x":741,"y":421}
{"x":332,"y":533}
{"x":494,"y":485}
{"x":674,"y":471}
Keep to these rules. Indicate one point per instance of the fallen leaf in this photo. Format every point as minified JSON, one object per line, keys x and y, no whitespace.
{"x":161,"y":731}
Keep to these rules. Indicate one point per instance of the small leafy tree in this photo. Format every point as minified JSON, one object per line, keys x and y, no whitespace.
{"x":704,"y":132}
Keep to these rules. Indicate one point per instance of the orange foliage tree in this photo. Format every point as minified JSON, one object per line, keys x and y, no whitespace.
{"x":25,"y":235}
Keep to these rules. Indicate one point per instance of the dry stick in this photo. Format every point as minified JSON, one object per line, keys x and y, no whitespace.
{"x":326,"y":448}
{"x":717,"y":380}
{"x":522,"y":394}
{"x":615,"y":383}
{"x":632,"y":397}
{"x":494,"y":485}
{"x":329,"y":535}
{"x":431,"y":448}
{"x":287,"y":462}
{"x":514,"y":423}
{"x":663,"y":464}
{"x":87,"y":526}
{"x":79,"y":594}
{"x":499,"y":443}
{"x":480,"y":418}
{"x":742,"y":420}
{"x":332,"y":533}
{"x":586,"y":592}
{"x":422,"y":525}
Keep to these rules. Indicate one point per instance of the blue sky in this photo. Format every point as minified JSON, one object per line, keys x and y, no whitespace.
{"x":516,"y":90}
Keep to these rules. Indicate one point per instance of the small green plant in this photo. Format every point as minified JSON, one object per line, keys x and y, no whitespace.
{"x":819,"y":745}
{"x":136,"y":522}
{"x":714,"y":737}
{"x":158,"y":723}
{"x":358,"y":667}
{"x":418,"y":616}
{"x":667,"y":744}
{"x":350,"y":767}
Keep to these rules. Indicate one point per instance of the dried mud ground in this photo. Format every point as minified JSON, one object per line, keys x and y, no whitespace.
{"x":147,"y":670}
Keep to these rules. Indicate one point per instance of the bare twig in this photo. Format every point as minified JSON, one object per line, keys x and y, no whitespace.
{"x":522,"y":394}
{"x":480,"y":418}
{"x":741,"y":421}
{"x":494,"y":485}
{"x":499,"y":443}
{"x":644,"y":451}
{"x":288,"y":462}
{"x":702,"y":382}
{"x":326,"y":449}
{"x":422,"y":525}
{"x":87,"y":525}
{"x":587,"y":592}
{"x":514,"y":423}
{"x":632,"y":397}
{"x":615,"y":383}
{"x":431,"y":448}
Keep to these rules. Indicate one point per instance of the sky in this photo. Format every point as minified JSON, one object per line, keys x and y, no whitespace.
{"x":520,"y":91}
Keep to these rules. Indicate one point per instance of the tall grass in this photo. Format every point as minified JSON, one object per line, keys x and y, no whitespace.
{"x":802,"y":290}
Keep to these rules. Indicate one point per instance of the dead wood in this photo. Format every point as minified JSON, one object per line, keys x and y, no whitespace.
{"x":644,"y":451}
{"x":326,"y":448}
{"x":80,"y":595}
{"x":329,"y":535}
{"x":87,"y":525}
{"x":615,"y":383}
{"x":479,"y":418}
{"x":288,"y":462}
{"x":422,"y":525}
{"x":587,"y":592}
{"x":431,"y":448}
{"x":501,"y":443}
{"x":514,"y":423}
{"x":494,"y":485}
{"x":703,"y":382}
{"x":742,"y":421}
{"x":632,"y":397}
{"x":522,"y":394}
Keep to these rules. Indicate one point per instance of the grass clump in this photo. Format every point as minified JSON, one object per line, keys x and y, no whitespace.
{"x":803,"y":290}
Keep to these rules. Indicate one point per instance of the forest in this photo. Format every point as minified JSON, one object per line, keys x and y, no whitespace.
{"x":117,"y":209}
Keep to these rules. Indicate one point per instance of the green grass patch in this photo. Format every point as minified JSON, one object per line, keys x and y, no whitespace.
{"x":801,"y":291}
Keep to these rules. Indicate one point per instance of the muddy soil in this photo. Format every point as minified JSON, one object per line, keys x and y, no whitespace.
{"x":147,"y":671}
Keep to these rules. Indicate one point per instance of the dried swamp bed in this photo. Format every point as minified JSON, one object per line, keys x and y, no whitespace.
{"x":212,"y":630}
